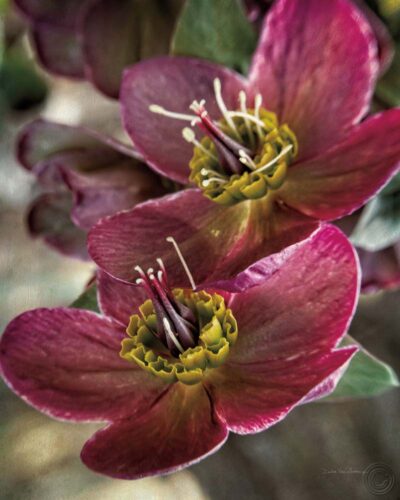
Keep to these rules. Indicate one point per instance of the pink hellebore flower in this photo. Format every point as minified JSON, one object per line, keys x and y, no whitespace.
{"x":85,"y":175}
{"x":195,"y":364}
{"x":280,"y":150}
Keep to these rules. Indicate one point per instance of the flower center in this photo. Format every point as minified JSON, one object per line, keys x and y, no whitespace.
{"x":179,"y":333}
{"x":241,"y":157}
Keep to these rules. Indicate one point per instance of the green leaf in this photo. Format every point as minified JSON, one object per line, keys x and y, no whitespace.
{"x":366,"y":375}
{"x":88,"y":300}
{"x":20,"y":84}
{"x":215,"y":30}
{"x":379,"y":224}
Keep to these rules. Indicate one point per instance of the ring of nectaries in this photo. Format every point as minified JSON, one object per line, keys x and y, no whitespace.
{"x":180,"y":333}
{"x":243,"y":156}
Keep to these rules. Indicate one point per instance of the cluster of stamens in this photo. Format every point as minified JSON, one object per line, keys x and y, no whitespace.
{"x":243,"y":155}
{"x":179,"y":333}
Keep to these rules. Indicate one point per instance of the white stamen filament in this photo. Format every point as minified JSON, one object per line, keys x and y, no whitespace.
{"x":257,"y":106}
{"x":170,"y":239}
{"x":190,"y":137}
{"x":159,"y":110}
{"x":246,"y":160}
{"x":160,"y":263}
{"x":276,"y":159}
{"x":207,"y":182}
{"x":247,"y":116}
{"x":205,"y":171}
{"x":223,"y":109}
{"x":171,"y":335}
{"x":140,"y":270}
{"x":242,"y":100}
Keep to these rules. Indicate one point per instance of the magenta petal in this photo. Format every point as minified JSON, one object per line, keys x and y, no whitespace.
{"x":133,"y":30}
{"x":66,"y":363}
{"x":54,"y":34}
{"x":117,"y":186}
{"x":174,"y":83}
{"x":328,"y":385}
{"x":382,"y":35}
{"x":261,"y":270}
{"x":58,"y":49}
{"x":118,"y":300}
{"x":319,"y":93}
{"x":252,"y":397}
{"x":102,"y":173}
{"x":50,"y":219}
{"x":343,"y":179}
{"x":42,"y":139}
{"x":306,"y":305}
{"x":202,"y":229}
{"x":59,"y":13}
{"x":217,"y":242}
{"x":178,"y":431}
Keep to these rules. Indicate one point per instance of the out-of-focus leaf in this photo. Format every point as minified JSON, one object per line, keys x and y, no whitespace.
{"x":379,"y":224}
{"x":20,"y":84}
{"x":365,"y":377}
{"x":87,"y":300}
{"x":388,"y":88}
{"x":117,"y":34}
{"x":393,"y":186}
{"x":4,"y":4}
{"x":215,"y":30}
{"x":390,"y":11}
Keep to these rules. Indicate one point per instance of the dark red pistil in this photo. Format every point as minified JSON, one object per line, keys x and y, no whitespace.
{"x":180,"y":318}
{"x":228,"y":149}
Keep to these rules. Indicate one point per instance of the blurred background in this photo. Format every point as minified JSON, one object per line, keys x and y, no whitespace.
{"x":319,"y":451}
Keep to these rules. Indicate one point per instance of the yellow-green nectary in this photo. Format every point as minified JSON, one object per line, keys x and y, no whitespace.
{"x":217,"y":330}
{"x":209,"y":175}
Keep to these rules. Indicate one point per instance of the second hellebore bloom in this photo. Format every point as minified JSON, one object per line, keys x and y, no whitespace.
{"x":86,"y":175}
{"x":269,"y":154}
{"x":194,"y":364}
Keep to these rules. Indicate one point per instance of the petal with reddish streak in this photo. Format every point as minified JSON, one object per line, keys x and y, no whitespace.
{"x":118,"y":300}
{"x":253,"y":397}
{"x":217,"y":242}
{"x":305,"y":305}
{"x":66,"y":363}
{"x":173,"y":83}
{"x":319,"y":93}
{"x":346,"y":177}
{"x":179,"y":430}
